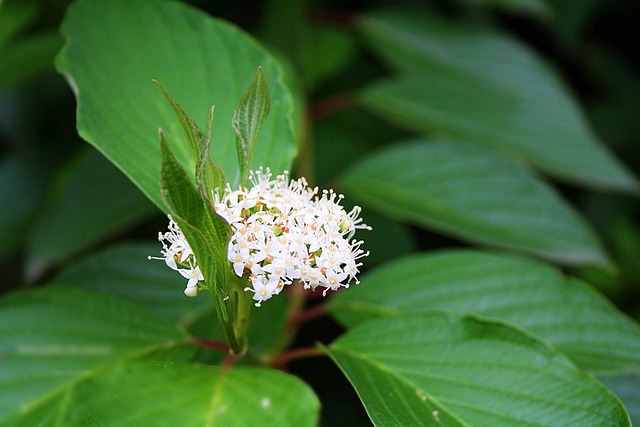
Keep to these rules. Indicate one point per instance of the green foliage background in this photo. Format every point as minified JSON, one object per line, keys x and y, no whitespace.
{"x":492,"y":145}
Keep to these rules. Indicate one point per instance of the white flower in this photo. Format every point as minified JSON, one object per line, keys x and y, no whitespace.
{"x":177,"y":254}
{"x":282,"y":234}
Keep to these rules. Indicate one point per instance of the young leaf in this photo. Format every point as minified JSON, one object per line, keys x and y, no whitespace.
{"x":55,"y":337}
{"x":209,"y":177}
{"x":248,"y":117}
{"x":206,"y":232}
{"x":476,"y":194}
{"x":564,"y":311}
{"x":199,"y":60}
{"x":433,"y":369}
{"x":189,"y":126}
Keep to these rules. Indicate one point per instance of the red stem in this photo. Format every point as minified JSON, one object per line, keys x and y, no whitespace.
{"x":281,"y":360}
{"x":330,"y":106}
{"x":207,"y":343}
{"x":317,"y":310}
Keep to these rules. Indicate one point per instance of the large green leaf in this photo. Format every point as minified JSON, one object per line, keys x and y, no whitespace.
{"x":125,"y":271}
{"x":115,"y":48}
{"x":473,"y":193}
{"x":153,"y":394}
{"x":430,"y":370}
{"x":95,"y":202}
{"x":562,"y":310}
{"x":55,"y":337}
{"x":477,"y":84}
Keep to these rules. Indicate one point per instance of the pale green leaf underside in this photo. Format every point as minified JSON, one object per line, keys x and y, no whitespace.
{"x":115,"y":48}
{"x":472,"y":372}
{"x":155,"y":394}
{"x":562,"y":310}
{"x":476,"y":84}
{"x":55,"y":337}
{"x":475,"y":194}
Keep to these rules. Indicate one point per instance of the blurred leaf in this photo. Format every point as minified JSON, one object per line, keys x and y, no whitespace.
{"x":124,"y":270}
{"x":538,"y":7}
{"x":181,"y":395}
{"x":572,"y":17}
{"x":470,"y":110}
{"x":96,"y":202}
{"x":14,"y":16}
{"x":385,"y":230}
{"x":473,"y":193}
{"x":626,"y":387}
{"x":427,"y":370}
{"x":120,"y":110}
{"x":478,"y":85}
{"x":21,"y":193}
{"x":564,"y":311}
{"x":337,"y":141}
{"x":54,"y":338}
{"x":331,"y":50}
{"x":27,"y":58}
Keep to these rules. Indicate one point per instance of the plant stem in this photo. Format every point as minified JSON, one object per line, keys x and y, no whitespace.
{"x":243,"y":304}
{"x":204,"y":342}
{"x":296,"y":304}
{"x":283,"y":359}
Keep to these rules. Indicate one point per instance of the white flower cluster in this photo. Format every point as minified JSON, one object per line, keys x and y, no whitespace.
{"x":282,"y":233}
{"x":178,"y":255}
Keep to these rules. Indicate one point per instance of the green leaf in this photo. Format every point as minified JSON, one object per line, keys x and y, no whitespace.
{"x":427,"y":370}
{"x":180,"y":395}
{"x":476,"y":84}
{"x":250,"y":114}
{"x":332,"y":49}
{"x":24,"y":191}
{"x":209,"y":177}
{"x":199,"y":60}
{"x":538,"y":7}
{"x":473,"y":193}
{"x":207,"y":234}
{"x":124,"y":270}
{"x":564,"y":311}
{"x":55,"y":337}
{"x":28,"y":58}
{"x":14,"y":16}
{"x":189,"y":126}
{"x":96,"y":201}
{"x":626,"y":387}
